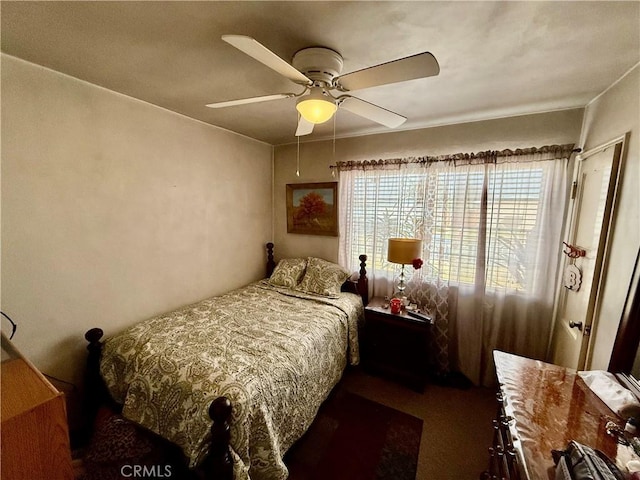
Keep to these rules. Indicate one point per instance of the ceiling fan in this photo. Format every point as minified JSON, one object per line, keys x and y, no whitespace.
{"x":318,"y":70}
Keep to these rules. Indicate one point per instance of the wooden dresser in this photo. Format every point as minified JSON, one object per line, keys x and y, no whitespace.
{"x":541,"y":407}
{"x":34,"y":432}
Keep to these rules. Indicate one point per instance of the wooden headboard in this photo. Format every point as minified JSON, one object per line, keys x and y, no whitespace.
{"x":359,"y":286}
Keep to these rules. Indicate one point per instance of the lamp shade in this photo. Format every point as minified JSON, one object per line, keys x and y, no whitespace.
{"x":404,"y":250}
{"x":316,"y":107}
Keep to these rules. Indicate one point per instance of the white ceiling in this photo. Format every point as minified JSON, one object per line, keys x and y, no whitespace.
{"x":497,"y":59}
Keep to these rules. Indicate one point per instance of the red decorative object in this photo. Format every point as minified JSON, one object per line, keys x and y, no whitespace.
{"x":417,"y":263}
{"x":396,"y":305}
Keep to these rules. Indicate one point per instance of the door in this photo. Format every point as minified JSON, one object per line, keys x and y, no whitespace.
{"x":593,"y":197}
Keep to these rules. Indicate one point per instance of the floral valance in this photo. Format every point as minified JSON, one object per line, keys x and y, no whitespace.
{"x":548,"y":152}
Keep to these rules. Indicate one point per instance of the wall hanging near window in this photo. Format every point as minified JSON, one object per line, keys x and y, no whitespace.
{"x":572,"y":277}
{"x":312,"y":208}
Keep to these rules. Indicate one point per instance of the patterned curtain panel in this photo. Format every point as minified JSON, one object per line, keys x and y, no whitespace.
{"x":491,"y":226}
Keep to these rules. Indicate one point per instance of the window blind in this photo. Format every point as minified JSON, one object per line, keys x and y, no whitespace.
{"x":458,"y":212}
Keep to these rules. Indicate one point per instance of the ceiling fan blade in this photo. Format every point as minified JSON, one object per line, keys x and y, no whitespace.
{"x":409,"y":68}
{"x":372,"y":112}
{"x":244,"y":101}
{"x":304,"y":127}
{"x":255,"y":49}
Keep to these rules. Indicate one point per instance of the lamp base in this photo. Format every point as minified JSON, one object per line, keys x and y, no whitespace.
{"x":401,"y":286}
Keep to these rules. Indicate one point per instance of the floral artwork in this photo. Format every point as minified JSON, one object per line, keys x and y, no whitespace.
{"x":312,"y":208}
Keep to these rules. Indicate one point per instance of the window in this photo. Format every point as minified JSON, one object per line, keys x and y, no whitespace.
{"x":457,"y":211}
{"x":491,"y":230}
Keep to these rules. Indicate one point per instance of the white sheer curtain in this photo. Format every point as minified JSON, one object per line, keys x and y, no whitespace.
{"x":491,"y":227}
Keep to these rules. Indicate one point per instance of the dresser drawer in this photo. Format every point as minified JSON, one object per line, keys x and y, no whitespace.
{"x":503,"y":459}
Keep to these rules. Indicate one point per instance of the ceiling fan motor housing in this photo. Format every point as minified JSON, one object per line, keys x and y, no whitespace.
{"x":319,"y":64}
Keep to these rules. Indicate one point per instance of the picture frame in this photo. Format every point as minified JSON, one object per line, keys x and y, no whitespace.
{"x":312,"y":208}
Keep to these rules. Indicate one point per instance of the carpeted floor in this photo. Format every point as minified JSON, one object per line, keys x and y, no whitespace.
{"x":457,"y":422}
{"x":369,"y":429}
{"x":353,"y":438}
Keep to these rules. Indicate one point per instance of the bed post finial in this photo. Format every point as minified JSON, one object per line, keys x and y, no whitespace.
{"x":220,"y":463}
{"x":363,"y":281}
{"x":95,"y":391}
{"x":271,"y":264}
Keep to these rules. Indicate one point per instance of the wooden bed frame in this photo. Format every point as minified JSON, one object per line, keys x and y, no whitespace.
{"x":218,"y":464}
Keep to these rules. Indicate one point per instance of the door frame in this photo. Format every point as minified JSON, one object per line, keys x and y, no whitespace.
{"x":620,"y":143}
{"x":625,"y":347}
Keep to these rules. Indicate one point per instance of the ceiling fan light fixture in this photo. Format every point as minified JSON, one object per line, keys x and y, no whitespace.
{"x":316,"y":107}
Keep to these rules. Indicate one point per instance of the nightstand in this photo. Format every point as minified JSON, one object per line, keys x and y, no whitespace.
{"x":396,"y":345}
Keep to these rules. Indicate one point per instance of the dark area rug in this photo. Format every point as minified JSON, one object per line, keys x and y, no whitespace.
{"x":357,"y":439}
{"x":351,"y":438}
{"x":119,"y":449}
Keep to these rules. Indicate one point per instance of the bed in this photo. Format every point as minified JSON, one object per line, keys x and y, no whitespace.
{"x":236,"y":379}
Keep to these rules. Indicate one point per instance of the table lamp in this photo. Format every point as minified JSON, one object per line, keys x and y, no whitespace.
{"x":403,"y":251}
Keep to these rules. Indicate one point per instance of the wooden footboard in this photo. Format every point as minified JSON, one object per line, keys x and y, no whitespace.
{"x":218,"y":465}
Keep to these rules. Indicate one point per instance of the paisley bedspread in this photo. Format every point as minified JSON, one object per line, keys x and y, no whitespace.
{"x":275,"y":353}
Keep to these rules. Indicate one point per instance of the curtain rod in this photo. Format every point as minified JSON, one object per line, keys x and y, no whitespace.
{"x":569,"y":148}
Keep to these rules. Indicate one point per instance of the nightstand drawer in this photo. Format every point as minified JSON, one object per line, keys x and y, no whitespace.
{"x":396,"y":345}
{"x":399,"y":347}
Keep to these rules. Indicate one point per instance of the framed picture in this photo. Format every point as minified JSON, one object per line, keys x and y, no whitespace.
{"x":312,"y":208}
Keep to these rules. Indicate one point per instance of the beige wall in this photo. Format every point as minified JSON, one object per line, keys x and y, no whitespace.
{"x":315,"y":157}
{"x":114,"y":210}
{"x":611,"y":115}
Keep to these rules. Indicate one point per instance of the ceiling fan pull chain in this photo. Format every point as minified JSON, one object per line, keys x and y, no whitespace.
{"x":333,"y":172}
{"x":298,"y":159}
{"x":334,"y":137}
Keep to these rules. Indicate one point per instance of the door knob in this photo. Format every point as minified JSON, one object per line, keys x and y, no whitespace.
{"x":577,"y":325}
